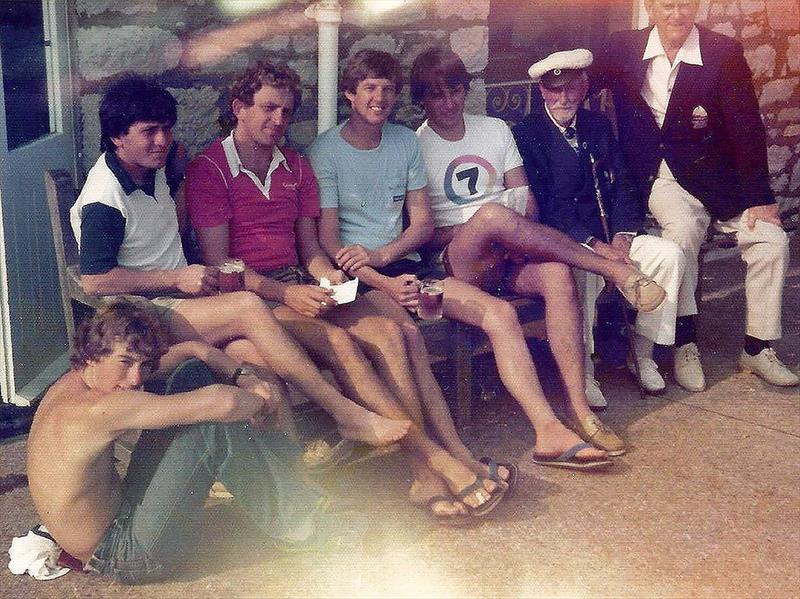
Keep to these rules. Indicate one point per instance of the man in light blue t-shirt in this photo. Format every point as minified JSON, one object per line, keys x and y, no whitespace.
{"x":371,"y":176}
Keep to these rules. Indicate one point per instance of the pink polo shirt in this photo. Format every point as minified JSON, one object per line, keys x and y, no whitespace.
{"x":261,"y":217}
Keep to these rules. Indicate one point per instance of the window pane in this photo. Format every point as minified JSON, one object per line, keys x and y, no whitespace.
{"x":24,"y":51}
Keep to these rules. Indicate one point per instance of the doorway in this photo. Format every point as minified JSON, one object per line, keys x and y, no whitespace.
{"x":36,"y":135}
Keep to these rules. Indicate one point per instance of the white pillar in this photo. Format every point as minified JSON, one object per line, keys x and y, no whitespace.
{"x":328,"y":15}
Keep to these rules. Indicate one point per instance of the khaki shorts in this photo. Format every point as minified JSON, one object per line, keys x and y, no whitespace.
{"x":294,"y":275}
{"x":161,"y":307}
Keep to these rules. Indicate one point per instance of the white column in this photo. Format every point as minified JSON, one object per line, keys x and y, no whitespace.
{"x":328,"y":15}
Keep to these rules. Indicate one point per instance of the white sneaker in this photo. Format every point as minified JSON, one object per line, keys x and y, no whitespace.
{"x":594,"y":396}
{"x":688,"y":368}
{"x":649,"y":377}
{"x":769,"y":367}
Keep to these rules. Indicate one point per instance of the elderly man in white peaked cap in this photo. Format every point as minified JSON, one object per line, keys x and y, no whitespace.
{"x":571,"y":156}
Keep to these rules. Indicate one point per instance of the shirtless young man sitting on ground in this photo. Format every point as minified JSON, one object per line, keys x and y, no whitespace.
{"x":138,"y":529}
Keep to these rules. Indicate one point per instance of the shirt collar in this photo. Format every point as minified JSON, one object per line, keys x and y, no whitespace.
{"x":235,"y":164}
{"x":689,"y":52}
{"x":148,"y":186}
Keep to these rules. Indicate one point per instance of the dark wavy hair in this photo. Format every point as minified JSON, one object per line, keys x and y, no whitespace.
{"x":371,"y":64}
{"x":119,"y":321}
{"x":262,"y":73}
{"x":131,"y":99}
{"x":434,"y":69}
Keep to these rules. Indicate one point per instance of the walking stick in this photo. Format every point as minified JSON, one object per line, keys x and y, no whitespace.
{"x":620,"y":301}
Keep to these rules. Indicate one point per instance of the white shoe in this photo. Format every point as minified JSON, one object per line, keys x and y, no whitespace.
{"x":594,"y":396}
{"x":649,"y":377}
{"x":688,"y":368}
{"x":769,"y":367}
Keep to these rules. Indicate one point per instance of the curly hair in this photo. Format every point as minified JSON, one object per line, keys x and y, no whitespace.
{"x":434,"y":69}
{"x":371,"y":64}
{"x":262,"y":73}
{"x":132,"y":99}
{"x":120,"y":321}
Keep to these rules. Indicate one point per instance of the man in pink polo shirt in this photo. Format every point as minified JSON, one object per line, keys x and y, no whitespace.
{"x":252,"y":200}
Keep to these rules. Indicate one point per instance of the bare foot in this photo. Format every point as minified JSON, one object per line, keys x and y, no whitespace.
{"x":554,"y":439}
{"x":465,"y":456}
{"x":458,"y":477}
{"x":425,"y":488}
{"x":373,"y":429}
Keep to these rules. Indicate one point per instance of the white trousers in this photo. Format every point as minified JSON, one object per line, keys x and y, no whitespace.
{"x":658,"y":258}
{"x":764,"y":249}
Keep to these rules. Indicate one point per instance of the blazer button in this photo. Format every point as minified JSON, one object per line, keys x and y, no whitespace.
{"x":661,"y":147}
{"x":651,"y":178}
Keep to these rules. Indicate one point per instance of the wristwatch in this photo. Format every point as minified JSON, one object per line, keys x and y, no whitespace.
{"x":240,"y":371}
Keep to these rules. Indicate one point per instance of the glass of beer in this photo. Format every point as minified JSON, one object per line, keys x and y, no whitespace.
{"x":231,"y":276}
{"x":431,"y":294}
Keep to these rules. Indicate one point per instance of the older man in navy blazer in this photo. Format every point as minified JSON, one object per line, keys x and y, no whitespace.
{"x":691,"y":132}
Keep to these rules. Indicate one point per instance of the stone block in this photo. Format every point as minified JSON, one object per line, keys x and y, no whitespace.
{"x":472,"y":46}
{"x":90,"y":8}
{"x":381,"y":41}
{"x":307,"y":69}
{"x":792,"y":131}
{"x":733,"y":10}
{"x":750,"y":7}
{"x":726,"y":28}
{"x":304,"y":44}
{"x":198,"y":117}
{"x":406,"y":14}
{"x":716,"y":10}
{"x":779,"y":184}
{"x":751,"y":30}
{"x":475,"y":102}
{"x":224,"y":63}
{"x":794,"y":182}
{"x":783,"y":14}
{"x":789,"y":114}
{"x":467,"y":10}
{"x":107,"y":51}
{"x":90,"y":131}
{"x":413,"y":46}
{"x":793,"y":53}
{"x":300,"y":135}
{"x":761,"y":60}
{"x":778,"y":156}
{"x":779,"y":90}
{"x":277,"y":43}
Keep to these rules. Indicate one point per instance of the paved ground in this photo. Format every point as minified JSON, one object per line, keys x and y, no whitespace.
{"x":706,"y":503}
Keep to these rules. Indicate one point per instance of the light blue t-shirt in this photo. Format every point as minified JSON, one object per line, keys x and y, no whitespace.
{"x":368,"y":186}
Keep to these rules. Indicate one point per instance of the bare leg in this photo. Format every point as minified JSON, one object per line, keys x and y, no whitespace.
{"x":554,"y":282}
{"x":495,"y":225}
{"x":221,"y":319}
{"x":498,"y":319}
{"x":243,"y":350}
{"x":335,"y":346}
{"x":427,"y":388}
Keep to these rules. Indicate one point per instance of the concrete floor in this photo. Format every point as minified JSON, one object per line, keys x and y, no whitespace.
{"x":706,"y":503}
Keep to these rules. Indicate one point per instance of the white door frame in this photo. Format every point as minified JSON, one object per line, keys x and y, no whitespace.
{"x":60,"y":94}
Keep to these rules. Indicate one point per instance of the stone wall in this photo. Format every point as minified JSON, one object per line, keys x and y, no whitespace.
{"x":152,"y":37}
{"x":770,"y":32}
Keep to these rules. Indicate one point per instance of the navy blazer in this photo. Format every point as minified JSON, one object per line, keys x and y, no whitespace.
{"x":723,"y":162}
{"x":580,"y":217}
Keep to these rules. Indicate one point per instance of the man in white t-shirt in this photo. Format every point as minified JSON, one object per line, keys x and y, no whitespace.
{"x":478,"y":189}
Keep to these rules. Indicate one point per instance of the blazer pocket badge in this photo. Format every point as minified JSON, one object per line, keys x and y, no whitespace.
{"x":699,"y":118}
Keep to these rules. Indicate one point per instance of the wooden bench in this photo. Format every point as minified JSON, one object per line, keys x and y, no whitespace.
{"x":449,"y":341}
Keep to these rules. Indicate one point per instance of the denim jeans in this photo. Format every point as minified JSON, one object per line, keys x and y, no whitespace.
{"x":170,"y":474}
